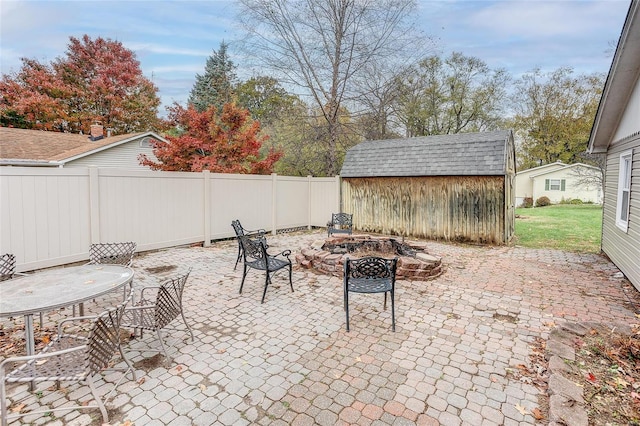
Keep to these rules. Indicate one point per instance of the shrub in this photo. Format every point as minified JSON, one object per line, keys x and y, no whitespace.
{"x":575,"y":201}
{"x":527,"y":202}
{"x":543,"y":201}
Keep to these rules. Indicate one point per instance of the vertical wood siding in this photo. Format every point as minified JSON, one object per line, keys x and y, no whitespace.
{"x":622,"y":248}
{"x":447,"y":208}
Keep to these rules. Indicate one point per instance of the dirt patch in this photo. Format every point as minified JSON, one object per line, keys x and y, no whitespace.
{"x":160,"y":269}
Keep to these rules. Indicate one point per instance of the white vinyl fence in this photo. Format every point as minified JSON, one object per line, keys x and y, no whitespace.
{"x":50,"y":216}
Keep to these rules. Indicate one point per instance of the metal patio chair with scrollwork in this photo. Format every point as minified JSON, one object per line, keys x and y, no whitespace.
{"x":370,"y":275}
{"x":341,"y":223}
{"x":255,"y":256}
{"x":240,"y":231}
{"x":72,"y":355}
{"x":157,"y":307}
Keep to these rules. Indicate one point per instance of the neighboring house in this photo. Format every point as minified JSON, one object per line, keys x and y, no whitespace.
{"x":448,"y":187}
{"x":560,"y":182}
{"x":37,"y":148}
{"x":616,"y":132}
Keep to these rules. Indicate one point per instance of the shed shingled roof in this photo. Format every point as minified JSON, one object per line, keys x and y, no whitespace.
{"x":461,"y":154}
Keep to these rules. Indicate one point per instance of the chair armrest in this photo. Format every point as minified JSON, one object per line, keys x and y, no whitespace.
{"x":249,"y":232}
{"x":139,"y":307}
{"x":285,"y":253}
{"x":25,"y":358}
{"x":74,"y":319}
{"x":147,"y":289}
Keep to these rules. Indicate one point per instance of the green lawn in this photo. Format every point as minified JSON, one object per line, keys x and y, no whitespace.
{"x":568,"y":227}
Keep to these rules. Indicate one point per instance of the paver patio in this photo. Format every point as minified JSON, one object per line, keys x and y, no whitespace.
{"x":290,"y":360}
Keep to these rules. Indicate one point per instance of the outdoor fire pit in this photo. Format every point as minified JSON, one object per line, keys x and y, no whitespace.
{"x":327,"y":256}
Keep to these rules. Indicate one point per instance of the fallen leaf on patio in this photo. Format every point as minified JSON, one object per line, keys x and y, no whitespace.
{"x":591,"y":377}
{"x":358,"y":359}
{"x":179,"y":368}
{"x":202,"y":387}
{"x":221,"y":351}
{"x":593,"y":332}
{"x":141,"y":380}
{"x":522,"y":409}
{"x":537,"y":414}
{"x":621,"y":382}
{"x":493,"y":379}
{"x":17,"y":408}
{"x":46,"y":339}
{"x":85,"y":403}
{"x":127,"y":423}
{"x":549,"y":324}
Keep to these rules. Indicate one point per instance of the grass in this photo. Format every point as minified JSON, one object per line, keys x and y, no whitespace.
{"x":569,"y":227}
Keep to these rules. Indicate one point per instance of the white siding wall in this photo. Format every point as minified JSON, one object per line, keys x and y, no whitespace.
{"x":630,"y":122}
{"x":123,"y":156}
{"x":572,"y":189}
{"x":524,"y":184}
{"x":623,"y":248}
{"x":50,"y":216}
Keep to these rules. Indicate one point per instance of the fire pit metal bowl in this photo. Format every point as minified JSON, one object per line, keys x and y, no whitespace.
{"x":327,"y":256}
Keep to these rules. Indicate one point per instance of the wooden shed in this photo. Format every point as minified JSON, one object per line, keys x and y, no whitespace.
{"x":448,"y":187}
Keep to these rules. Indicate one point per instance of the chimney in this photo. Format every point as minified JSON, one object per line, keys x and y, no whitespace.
{"x":97,"y":132}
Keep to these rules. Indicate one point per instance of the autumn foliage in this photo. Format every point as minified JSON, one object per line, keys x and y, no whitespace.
{"x":97,"y":80}
{"x":226,"y":143}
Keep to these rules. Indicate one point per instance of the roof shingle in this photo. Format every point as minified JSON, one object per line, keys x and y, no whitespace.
{"x":462,"y":154}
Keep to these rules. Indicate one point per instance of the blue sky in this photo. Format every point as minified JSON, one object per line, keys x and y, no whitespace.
{"x":172,"y":39}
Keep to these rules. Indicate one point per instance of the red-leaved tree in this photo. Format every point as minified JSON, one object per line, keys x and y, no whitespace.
{"x":225,"y":143}
{"x":97,"y":80}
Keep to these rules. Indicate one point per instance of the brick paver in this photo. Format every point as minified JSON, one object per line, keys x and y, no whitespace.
{"x":290,"y":360}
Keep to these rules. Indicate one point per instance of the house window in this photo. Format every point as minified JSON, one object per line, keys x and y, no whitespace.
{"x":554,"y":184}
{"x":146,"y":143}
{"x":624,"y":191}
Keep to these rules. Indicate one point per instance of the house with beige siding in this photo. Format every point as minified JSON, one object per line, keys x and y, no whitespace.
{"x":37,"y":148}
{"x":616,"y":133}
{"x":560,"y":182}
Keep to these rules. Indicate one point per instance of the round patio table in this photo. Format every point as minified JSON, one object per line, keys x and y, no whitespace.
{"x":57,"y":288}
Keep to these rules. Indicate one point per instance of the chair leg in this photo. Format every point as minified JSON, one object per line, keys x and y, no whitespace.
{"x":385,"y":301}
{"x":164,"y":349}
{"x":346,"y":306}
{"x":244,"y":275}
{"x":266,"y":284}
{"x":239,"y":255}
{"x":185,"y":323}
{"x":103,"y":410}
{"x":291,"y":278}
{"x":393,"y":311}
{"x":3,"y":401}
{"x":129,"y":365}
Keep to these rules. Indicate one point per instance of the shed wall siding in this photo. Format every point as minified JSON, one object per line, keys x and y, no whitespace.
{"x":442,"y":207}
{"x":123,"y":156}
{"x":623,"y":248}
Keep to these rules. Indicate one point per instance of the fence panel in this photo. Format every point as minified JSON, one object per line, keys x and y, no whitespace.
{"x":44,"y":215}
{"x":154,"y":209}
{"x":50,"y":216}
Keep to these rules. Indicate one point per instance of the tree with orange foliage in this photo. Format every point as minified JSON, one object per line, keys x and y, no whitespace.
{"x":228,"y":143}
{"x":97,"y":80}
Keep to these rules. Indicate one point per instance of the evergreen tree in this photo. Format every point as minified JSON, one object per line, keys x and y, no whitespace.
{"x":216,"y":86}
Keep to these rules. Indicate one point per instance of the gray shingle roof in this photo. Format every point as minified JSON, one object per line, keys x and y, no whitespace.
{"x":462,"y":154}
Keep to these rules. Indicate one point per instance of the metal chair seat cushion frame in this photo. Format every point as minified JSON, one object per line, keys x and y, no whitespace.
{"x":370,"y":275}
{"x":341,"y":223}
{"x":71,"y":357}
{"x":154,"y":313}
{"x":240,"y":231}
{"x":256,"y":257}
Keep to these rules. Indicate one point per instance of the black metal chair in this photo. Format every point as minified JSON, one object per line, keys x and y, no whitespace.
{"x":240,"y":231}
{"x":370,"y":275}
{"x":341,"y":223}
{"x":157,"y":307}
{"x":254,"y":251}
{"x":7,"y":266}
{"x":71,"y":355}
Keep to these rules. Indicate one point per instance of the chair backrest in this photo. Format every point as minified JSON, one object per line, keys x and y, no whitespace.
{"x":7,"y":266}
{"x":169,"y":299}
{"x":112,"y":253}
{"x":370,"y":267}
{"x":342,"y":219}
{"x":254,"y":249}
{"x":237,"y":227}
{"x":104,"y":338}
